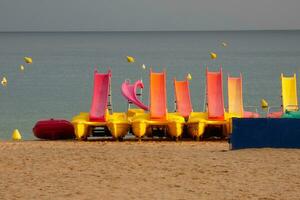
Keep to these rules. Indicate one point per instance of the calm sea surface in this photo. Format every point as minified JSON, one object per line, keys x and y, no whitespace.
{"x":60,"y":81}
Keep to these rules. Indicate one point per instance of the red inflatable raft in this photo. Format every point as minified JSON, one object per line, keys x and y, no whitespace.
{"x":54,"y":129}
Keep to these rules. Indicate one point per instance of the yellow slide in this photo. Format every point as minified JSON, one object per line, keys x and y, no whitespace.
{"x":288,"y":96}
{"x":289,"y":93}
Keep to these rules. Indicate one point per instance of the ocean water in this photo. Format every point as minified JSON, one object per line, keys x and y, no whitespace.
{"x":59,"y":83}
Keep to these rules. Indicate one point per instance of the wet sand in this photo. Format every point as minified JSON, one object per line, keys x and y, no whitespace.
{"x":146,"y":170}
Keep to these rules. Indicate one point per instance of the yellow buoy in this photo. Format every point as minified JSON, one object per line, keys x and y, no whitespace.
{"x":213,"y":55}
{"x":224,"y":44}
{"x":130,"y":59}
{"x":144,"y":66}
{"x":22,"y":67}
{"x":189,"y":76}
{"x":16,"y":135}
{"x":264,"y":104}
{"x":4,"y":81}
{"x":28,"y":60}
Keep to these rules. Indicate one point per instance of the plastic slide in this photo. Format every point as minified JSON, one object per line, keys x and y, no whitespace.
{"x":100,"y":96}
{"x":215,"y":99}
{"x":129,"y":93}
{"x":183,"y":99}
{"x":215,"y":115}
{"x":235,"y":98}
{"x":158,"y":96}
{"x":158,"y":121}
{"x":289,"y":93}
{"x":288,"y":96}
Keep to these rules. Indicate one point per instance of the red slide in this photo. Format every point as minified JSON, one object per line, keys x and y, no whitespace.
{"x":215,"y":99}
{"x":158,"y":96}
{"x":183,"y":99}
{"x":100,"y":96}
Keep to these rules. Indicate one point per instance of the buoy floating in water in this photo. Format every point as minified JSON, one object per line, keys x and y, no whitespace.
{"x":213,"y":55}
{"x":28,"y":60}
{"x":22,"y":67}
{"x":16,"y":135}
{"x":264,"y":104}
{"x":143,"y":66}
{"x":4,"y":81}
{"x":130,"y":59}
{"x":189,"y":76}
{"x":224,"y":44}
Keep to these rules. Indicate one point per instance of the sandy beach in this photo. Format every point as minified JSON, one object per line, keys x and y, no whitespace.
{"x":146,"y":170}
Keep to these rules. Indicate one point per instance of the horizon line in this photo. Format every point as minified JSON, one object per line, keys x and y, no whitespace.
{"x":78,"y":31}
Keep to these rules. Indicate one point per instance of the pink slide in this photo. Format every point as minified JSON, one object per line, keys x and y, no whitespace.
{"x":215,"y":99}
{"x":129,"y":93}
{"x":158,"y":96}
{"x":183,"y":99}
{"x":100,"y":96}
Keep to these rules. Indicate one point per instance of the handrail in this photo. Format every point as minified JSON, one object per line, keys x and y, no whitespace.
{"x":293,"y":107}
{"x":256,"y":109}
{"x":271,"y":107}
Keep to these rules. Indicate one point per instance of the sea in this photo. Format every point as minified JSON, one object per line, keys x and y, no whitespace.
{"x":59,"y":82}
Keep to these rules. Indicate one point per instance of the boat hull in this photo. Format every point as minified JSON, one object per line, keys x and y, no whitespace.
{"x":54,"y":129}
{"x":117,"y":124}
{"x":142,"y":125}
{"x":199,"y":121}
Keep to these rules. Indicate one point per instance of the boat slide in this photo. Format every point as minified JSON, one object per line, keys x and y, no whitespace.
{"x":183,"y":99}
{"x":100,"y":96}
{"x":129,"y":92}
{"x":288,"y":96}
{"x":289,"y":93}
{"x":158,"y":96}
{"x":235,"y":99}
{"x":158,"y":116}
{"x":116,"y":123}
{"x":215,"y":99}
{"x":290,"y":102}
{"x":215,"y":114}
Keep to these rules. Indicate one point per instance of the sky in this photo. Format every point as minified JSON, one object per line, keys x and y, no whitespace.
{"x":148,"y":15}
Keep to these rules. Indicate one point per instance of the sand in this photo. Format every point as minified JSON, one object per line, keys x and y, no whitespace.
{"x":146,"y":170}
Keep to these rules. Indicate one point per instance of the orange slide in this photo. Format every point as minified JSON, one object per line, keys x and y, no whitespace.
{"x":235,"y":98}
{"x":158,"y":120}
{"x":183,"y":99}
{"x":158,"y":96}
